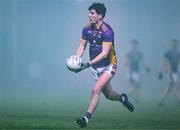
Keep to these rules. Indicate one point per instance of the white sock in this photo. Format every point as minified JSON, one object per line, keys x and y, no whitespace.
{"x":123,"y":99}
{"x":86,"y":119}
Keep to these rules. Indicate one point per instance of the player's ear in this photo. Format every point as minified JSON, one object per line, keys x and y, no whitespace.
{"x":100,"y":16}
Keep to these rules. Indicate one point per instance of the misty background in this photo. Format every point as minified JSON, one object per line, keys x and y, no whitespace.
{"x":36,"y":37}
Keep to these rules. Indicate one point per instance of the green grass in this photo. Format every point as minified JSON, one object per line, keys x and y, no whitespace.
{"x":109,"y":116}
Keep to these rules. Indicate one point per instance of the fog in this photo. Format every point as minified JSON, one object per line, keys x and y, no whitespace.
{"x":36,"y":37}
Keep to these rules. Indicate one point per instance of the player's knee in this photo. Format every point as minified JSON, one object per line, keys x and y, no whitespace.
{"x":109,"y":96}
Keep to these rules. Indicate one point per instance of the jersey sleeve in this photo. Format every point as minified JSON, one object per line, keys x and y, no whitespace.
{"x":108,"y":37}
{"x":166,"y":55}
{"x":178,"y":56}
{"x":141,"y":56}
{"x":84,"y":34}
{"x":128,"y":55}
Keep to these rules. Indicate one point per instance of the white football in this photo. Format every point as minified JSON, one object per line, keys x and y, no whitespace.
{"x":74,"y":62}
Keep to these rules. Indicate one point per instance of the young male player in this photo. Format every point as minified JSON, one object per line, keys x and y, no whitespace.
{"x":103,"y":61}
{"x":171,"y":65}
{"x":134,"y":61}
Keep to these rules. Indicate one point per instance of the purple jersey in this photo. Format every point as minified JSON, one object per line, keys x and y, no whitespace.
{"x":97,"y":37}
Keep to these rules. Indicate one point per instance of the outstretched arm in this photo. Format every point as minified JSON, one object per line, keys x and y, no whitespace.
{"x":105,"y":51}
{"x":146,"y":67}
{"x":165,"y":68}
{"x":82,"y":46}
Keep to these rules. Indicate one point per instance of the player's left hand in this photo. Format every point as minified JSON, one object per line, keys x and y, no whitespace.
{"x":70,"y":69}
{"x":83,"y":66}
{"x":148,"y":70}
{"x":160,"y":76}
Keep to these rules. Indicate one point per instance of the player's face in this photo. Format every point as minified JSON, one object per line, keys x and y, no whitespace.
{"x":94,"y":17}
{"x":135,"y":44}
{"x":175,"y":45}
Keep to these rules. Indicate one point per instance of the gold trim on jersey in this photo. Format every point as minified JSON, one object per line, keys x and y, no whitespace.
{"x":110,"y":43}
{"x":113,"y":59}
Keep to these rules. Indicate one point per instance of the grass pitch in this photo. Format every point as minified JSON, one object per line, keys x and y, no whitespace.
{"x":108,"y":116}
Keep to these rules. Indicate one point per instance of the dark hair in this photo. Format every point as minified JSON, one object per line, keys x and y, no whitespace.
{"x":134,"y":41}
{"x":99,"y":8}
{"x":175,"y":40}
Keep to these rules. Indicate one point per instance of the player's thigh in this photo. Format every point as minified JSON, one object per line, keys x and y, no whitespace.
{"x":102,"y":81}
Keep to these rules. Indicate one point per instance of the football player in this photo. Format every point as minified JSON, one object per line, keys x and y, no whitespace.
{"x":134,"y":62}
{"x":103,"y":63}
{"x":170,"y":66}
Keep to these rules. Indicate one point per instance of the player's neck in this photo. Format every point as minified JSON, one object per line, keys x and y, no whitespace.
{"x":98,"y":25}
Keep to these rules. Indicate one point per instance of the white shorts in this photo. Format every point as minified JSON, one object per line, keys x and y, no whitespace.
{"x":174,"y":77}
{"x":99,"y":71}
{"x":134,"y":77}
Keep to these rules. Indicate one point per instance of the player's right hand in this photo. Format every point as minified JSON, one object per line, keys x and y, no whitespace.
{"x":148,"y":70}
{"x":160,"y":76}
